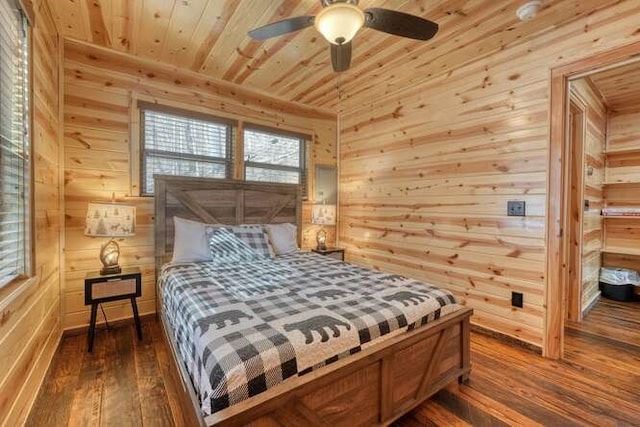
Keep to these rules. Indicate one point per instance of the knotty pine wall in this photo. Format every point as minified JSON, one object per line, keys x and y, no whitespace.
{"x":427,"y":168}
{"x":624,"y":134}
{"x":101,"y":126}
{"x":30,"y":312}
{"x":592,"y":169}
{"x":623,"y":233}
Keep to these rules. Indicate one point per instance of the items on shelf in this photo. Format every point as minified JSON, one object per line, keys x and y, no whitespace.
{"x":621,"y":211}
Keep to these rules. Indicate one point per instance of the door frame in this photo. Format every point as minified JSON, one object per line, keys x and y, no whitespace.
{"x":577,"y":131}
{"x":557,"y":240}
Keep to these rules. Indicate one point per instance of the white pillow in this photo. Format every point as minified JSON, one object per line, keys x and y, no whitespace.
{"x":190,"y":242}
{"x":283,"y":237}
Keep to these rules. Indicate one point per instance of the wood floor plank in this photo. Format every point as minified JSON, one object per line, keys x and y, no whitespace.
{"x":466,"y":410}
{"x":121,"y":398}
{"x":131,"y":382}
{"x":60,"y":388}
{"x":169,"y":374}
{"x":573,"y":384}
{"x":510,"y":393}
{"x":432,"y":413}
{"x":86,"y":405}
{"x":504,"y":413}
{"x":154,"y":403}
{"x":555,"y":403}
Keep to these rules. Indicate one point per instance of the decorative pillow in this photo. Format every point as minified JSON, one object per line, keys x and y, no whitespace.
{"x":283,"y":237}
{"x":190,"y":241}
{"x":226,"y":247}
{"x":255,"y":237}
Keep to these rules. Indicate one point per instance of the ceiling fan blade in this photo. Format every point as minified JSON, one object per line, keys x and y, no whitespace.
{"x":282,"y":27}
{"x":341,"y":56}
{"x":400,"y":24}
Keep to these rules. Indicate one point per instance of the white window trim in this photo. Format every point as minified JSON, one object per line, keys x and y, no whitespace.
{"x":23,"y":278}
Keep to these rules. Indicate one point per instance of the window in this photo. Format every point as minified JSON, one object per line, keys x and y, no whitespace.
{"x":175,"y":142}
{"x":273,"y":156}
{"x":15,"y":147}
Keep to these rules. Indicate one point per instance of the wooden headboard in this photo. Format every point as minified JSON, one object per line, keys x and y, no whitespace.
{"x":224,"y":201}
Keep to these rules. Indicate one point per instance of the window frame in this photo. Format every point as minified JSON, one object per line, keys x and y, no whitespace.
{"x":303,"y":170}
{"x":28,"y":266}
{"x":228,"y":161}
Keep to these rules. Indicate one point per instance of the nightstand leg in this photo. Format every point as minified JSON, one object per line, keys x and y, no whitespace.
{"x":92,"y":325}
{"x":136,"y":317}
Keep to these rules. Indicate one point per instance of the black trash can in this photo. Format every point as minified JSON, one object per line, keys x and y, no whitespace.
{"x":618,"y":292}
{"x":618,"y":283}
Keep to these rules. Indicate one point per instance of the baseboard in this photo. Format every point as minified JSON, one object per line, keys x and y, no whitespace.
{"x":592,"y":303}
{"x":507,"y":339}
{"x":78,"y":330}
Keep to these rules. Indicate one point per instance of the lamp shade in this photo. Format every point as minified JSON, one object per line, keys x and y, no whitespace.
{"x":323,"y":214}
{"x":339,"y":22}
{"x":110,"y":220}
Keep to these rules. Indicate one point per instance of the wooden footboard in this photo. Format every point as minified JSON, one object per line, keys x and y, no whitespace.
{"x":373,"y":387}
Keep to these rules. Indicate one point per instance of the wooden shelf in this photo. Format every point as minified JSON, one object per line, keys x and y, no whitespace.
{"x":633,"y":217}
{"x":624,"y":152}
{"x":621,"y":251}
{"x":611,"y":184}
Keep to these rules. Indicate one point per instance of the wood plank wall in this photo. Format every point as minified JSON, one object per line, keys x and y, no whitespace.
{"x":101,"y":125}
{"x":426,"y":169}
{"x":623,"y":233}
{"x":30,"y":314}
{"x":593,"y":178}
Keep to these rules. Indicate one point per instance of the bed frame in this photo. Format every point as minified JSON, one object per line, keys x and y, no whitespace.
{"x":373,"y":387}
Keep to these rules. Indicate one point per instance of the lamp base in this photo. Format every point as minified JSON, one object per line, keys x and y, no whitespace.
{"x":109,"y":254}
{"x":321,"y":238}
{"x":112,"y":269}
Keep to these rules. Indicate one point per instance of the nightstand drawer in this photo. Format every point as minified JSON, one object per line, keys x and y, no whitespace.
{"x":125,"y":285}
{"x":113,"y":288}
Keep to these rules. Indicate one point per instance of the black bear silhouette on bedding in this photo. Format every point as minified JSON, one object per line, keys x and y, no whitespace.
{"x":406,"y":297}
{"x":317,"y":324}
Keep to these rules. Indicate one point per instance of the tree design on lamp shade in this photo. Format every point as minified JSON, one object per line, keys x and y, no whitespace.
{"x":110,"y":220}
{"x":101,"y":229}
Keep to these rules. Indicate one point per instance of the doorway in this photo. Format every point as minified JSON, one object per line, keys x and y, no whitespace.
{"x":572,"y":278}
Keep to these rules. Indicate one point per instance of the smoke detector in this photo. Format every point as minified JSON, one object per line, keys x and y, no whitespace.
{"x":529,"y":10}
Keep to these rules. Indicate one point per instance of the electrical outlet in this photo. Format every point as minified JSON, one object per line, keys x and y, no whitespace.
{"x":516,"y":208}
{"x":516,"y":299}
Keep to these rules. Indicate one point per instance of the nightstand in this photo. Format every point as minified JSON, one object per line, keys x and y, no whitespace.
{"x":112,"y":287}
{"x":336,"y":253}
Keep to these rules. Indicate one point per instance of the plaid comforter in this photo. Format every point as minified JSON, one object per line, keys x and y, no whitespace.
{"x":246,"y":327}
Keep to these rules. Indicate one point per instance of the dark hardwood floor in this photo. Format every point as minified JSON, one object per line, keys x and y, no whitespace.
{"x":125,"y":382}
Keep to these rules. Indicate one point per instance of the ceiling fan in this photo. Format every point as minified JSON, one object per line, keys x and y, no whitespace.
{"x":339,"y":22}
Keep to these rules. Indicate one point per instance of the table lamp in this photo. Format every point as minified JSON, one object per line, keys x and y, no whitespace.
{"x":323,"y":215}
{"x":110,"y":220}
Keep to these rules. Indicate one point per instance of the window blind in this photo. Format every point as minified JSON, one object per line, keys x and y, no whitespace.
{"x":14,"y":147}
{"x":179,"y":145}
{"x":274,"y":157}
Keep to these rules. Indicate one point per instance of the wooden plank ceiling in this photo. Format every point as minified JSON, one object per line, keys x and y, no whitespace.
{"x":210,"y":36}
{"x":620,"y":87}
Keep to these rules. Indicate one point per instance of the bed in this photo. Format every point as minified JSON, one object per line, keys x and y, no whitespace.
{"x":376,"y":344}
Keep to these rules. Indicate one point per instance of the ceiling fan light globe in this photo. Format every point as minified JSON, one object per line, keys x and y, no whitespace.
{"x":339,"y":22}
{"x":529,"y":10}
